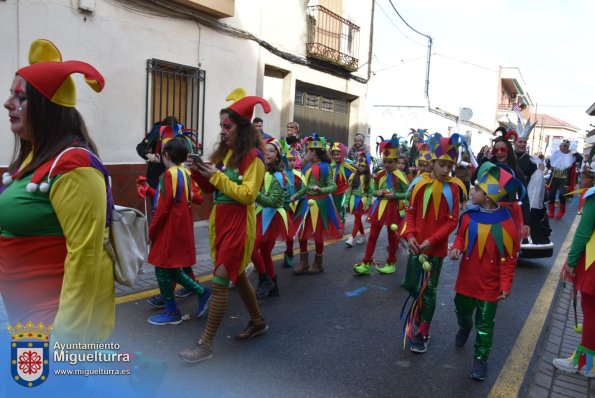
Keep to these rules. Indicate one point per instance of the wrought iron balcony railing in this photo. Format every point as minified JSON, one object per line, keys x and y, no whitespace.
{"x":332,"y":38}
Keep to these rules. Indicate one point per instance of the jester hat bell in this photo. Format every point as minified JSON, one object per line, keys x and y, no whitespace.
{"x":245,"y":106}
{"x":496,"y":181}
{"x":49,"y":75}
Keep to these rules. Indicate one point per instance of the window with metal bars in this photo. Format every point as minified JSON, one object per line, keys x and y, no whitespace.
{"x":178,"y":90}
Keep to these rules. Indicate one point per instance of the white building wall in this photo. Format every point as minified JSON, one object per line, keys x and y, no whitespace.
{"x":118,"y":41}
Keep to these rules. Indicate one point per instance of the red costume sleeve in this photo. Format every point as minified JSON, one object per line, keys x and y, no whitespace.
{"x":459,"y":242}
{"x":197,"y":197}
{"x":507,"y":273}
{"x":163,"y":207}
{"x":203,"y":182}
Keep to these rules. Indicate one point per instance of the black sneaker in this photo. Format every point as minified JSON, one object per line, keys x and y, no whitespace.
{"x":461,"y":337}
{"x":199,"y":353}
{"x":419,"y":343}
{"x":156,"y":301}
{"x":480,"y":370}
{"x":183,"y":292}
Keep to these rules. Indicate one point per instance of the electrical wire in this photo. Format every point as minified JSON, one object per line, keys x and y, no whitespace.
{"x":405,"y":22}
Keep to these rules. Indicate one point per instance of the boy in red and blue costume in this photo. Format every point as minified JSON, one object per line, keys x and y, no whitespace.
{"x":488,"y":239}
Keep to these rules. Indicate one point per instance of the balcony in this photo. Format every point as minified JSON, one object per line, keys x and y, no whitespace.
{"x":332,"y":38}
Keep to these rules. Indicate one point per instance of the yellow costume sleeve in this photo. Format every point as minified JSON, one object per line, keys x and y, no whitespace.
{"x":246,"y":192}
{"x":87,"y":301}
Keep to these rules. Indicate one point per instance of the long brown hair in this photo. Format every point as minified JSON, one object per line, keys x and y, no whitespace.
{"x":356,"y":177}
{"x":54,"y":128}
{"x":247,"y":137}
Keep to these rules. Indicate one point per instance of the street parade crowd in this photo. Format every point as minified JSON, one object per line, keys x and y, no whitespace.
{"x":420,"y":187}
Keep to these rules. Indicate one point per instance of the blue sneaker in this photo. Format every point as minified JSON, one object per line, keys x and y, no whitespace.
{"x":183,"y":292}
{"x":166,"y":318}
{"x":203,"y":302}
{"x":156,"y":301}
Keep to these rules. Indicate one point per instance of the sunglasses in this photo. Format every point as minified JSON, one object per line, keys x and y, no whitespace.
{"x":500,"y":150}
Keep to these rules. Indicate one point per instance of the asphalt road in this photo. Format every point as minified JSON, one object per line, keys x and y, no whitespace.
{"x":331,"y":335}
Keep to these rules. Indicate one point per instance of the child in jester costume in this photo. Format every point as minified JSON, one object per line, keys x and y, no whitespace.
{"x":272,"y":221}
{"x":172,"y":234}
{"x":341,"y":173}
{"x":580,"y":271}
{"x":294,"y":184}
{"x":488,"y":240}
{"x":431,"y":217}
{"x":359,"y":196}
{"x":316,"y":218}
{"x":389,"y":188}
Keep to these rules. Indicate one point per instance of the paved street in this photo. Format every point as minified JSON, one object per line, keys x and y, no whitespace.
{"x":338,"y":334}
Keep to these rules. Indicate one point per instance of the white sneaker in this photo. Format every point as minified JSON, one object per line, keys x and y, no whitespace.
{"x":361,"y":240}
{"x":565,"y":365}
{"x":349,"y":242}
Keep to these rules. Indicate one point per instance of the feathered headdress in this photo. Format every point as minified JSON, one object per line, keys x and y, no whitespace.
{"x":418,"y":135}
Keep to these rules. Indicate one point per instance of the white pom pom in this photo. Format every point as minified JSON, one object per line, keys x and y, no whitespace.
{"x":6,"y":179}
{"x":240,"y":178}
{"x":236,"y":170}
{"x":223,"y":168}
{"x":32,"y":187}
{"x":44,"y":187}
{"x":5,"y":174}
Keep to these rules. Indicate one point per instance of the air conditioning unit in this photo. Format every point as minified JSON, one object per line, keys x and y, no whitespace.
{"x":87,"y":5}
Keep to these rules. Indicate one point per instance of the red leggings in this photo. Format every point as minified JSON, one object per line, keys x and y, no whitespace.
{"x":262,"y":257}
{"x":393,"y":244}
{"x":588,"y":306}
{"x":318,"y":243}
{"x":358,"y":226}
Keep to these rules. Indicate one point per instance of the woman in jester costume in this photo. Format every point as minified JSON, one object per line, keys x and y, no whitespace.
{"x":580,"y":270}
{"x":341,"y":173}
{"x":489,"y":242}
{"x":359,"y":196}
{"x":272,"y":221}
{"x":390,"y":189}
{"x":55,"y":205}
{"x":294,"y":184}
{"x":431,"y":217}
{"x":235,"y":178}
{"x":316,"y":218}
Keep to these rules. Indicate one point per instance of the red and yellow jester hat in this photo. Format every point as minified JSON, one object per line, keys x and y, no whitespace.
{"x":315,"y":142}
{"x":338,"y":146}
{"x":51,"y":77}
{"x":245,"y":106}
{"x":497,"y":182}
{"x":389,"y":149}
{"x":442,"y":148}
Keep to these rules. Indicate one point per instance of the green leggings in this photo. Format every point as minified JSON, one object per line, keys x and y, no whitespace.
{"x":412,"y":283}
{"x":166,"y":278}
{"x":485,"y":318}
{"x":339,"y":201}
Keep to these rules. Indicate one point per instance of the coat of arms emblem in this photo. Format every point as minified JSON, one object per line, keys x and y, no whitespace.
{"x":29,"y":353}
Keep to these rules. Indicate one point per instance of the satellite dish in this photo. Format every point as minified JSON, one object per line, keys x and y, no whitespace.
{"x":465,"y":114}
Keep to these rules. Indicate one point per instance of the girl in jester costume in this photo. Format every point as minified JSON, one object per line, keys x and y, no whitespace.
{"x":294,"y":184}
{"x":341,"y":173}
{"x":53,"y":265}
{"x":359,"y":196}
{"x":272,"y":221}
{"x":390,"y":189}
{"x":489,"y":242}
{"x":431,"y":217}
{"x":316,"y":217}
{"x":172,"y":234}
{"x":580,"y":270}
{"x":235,"y":178}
